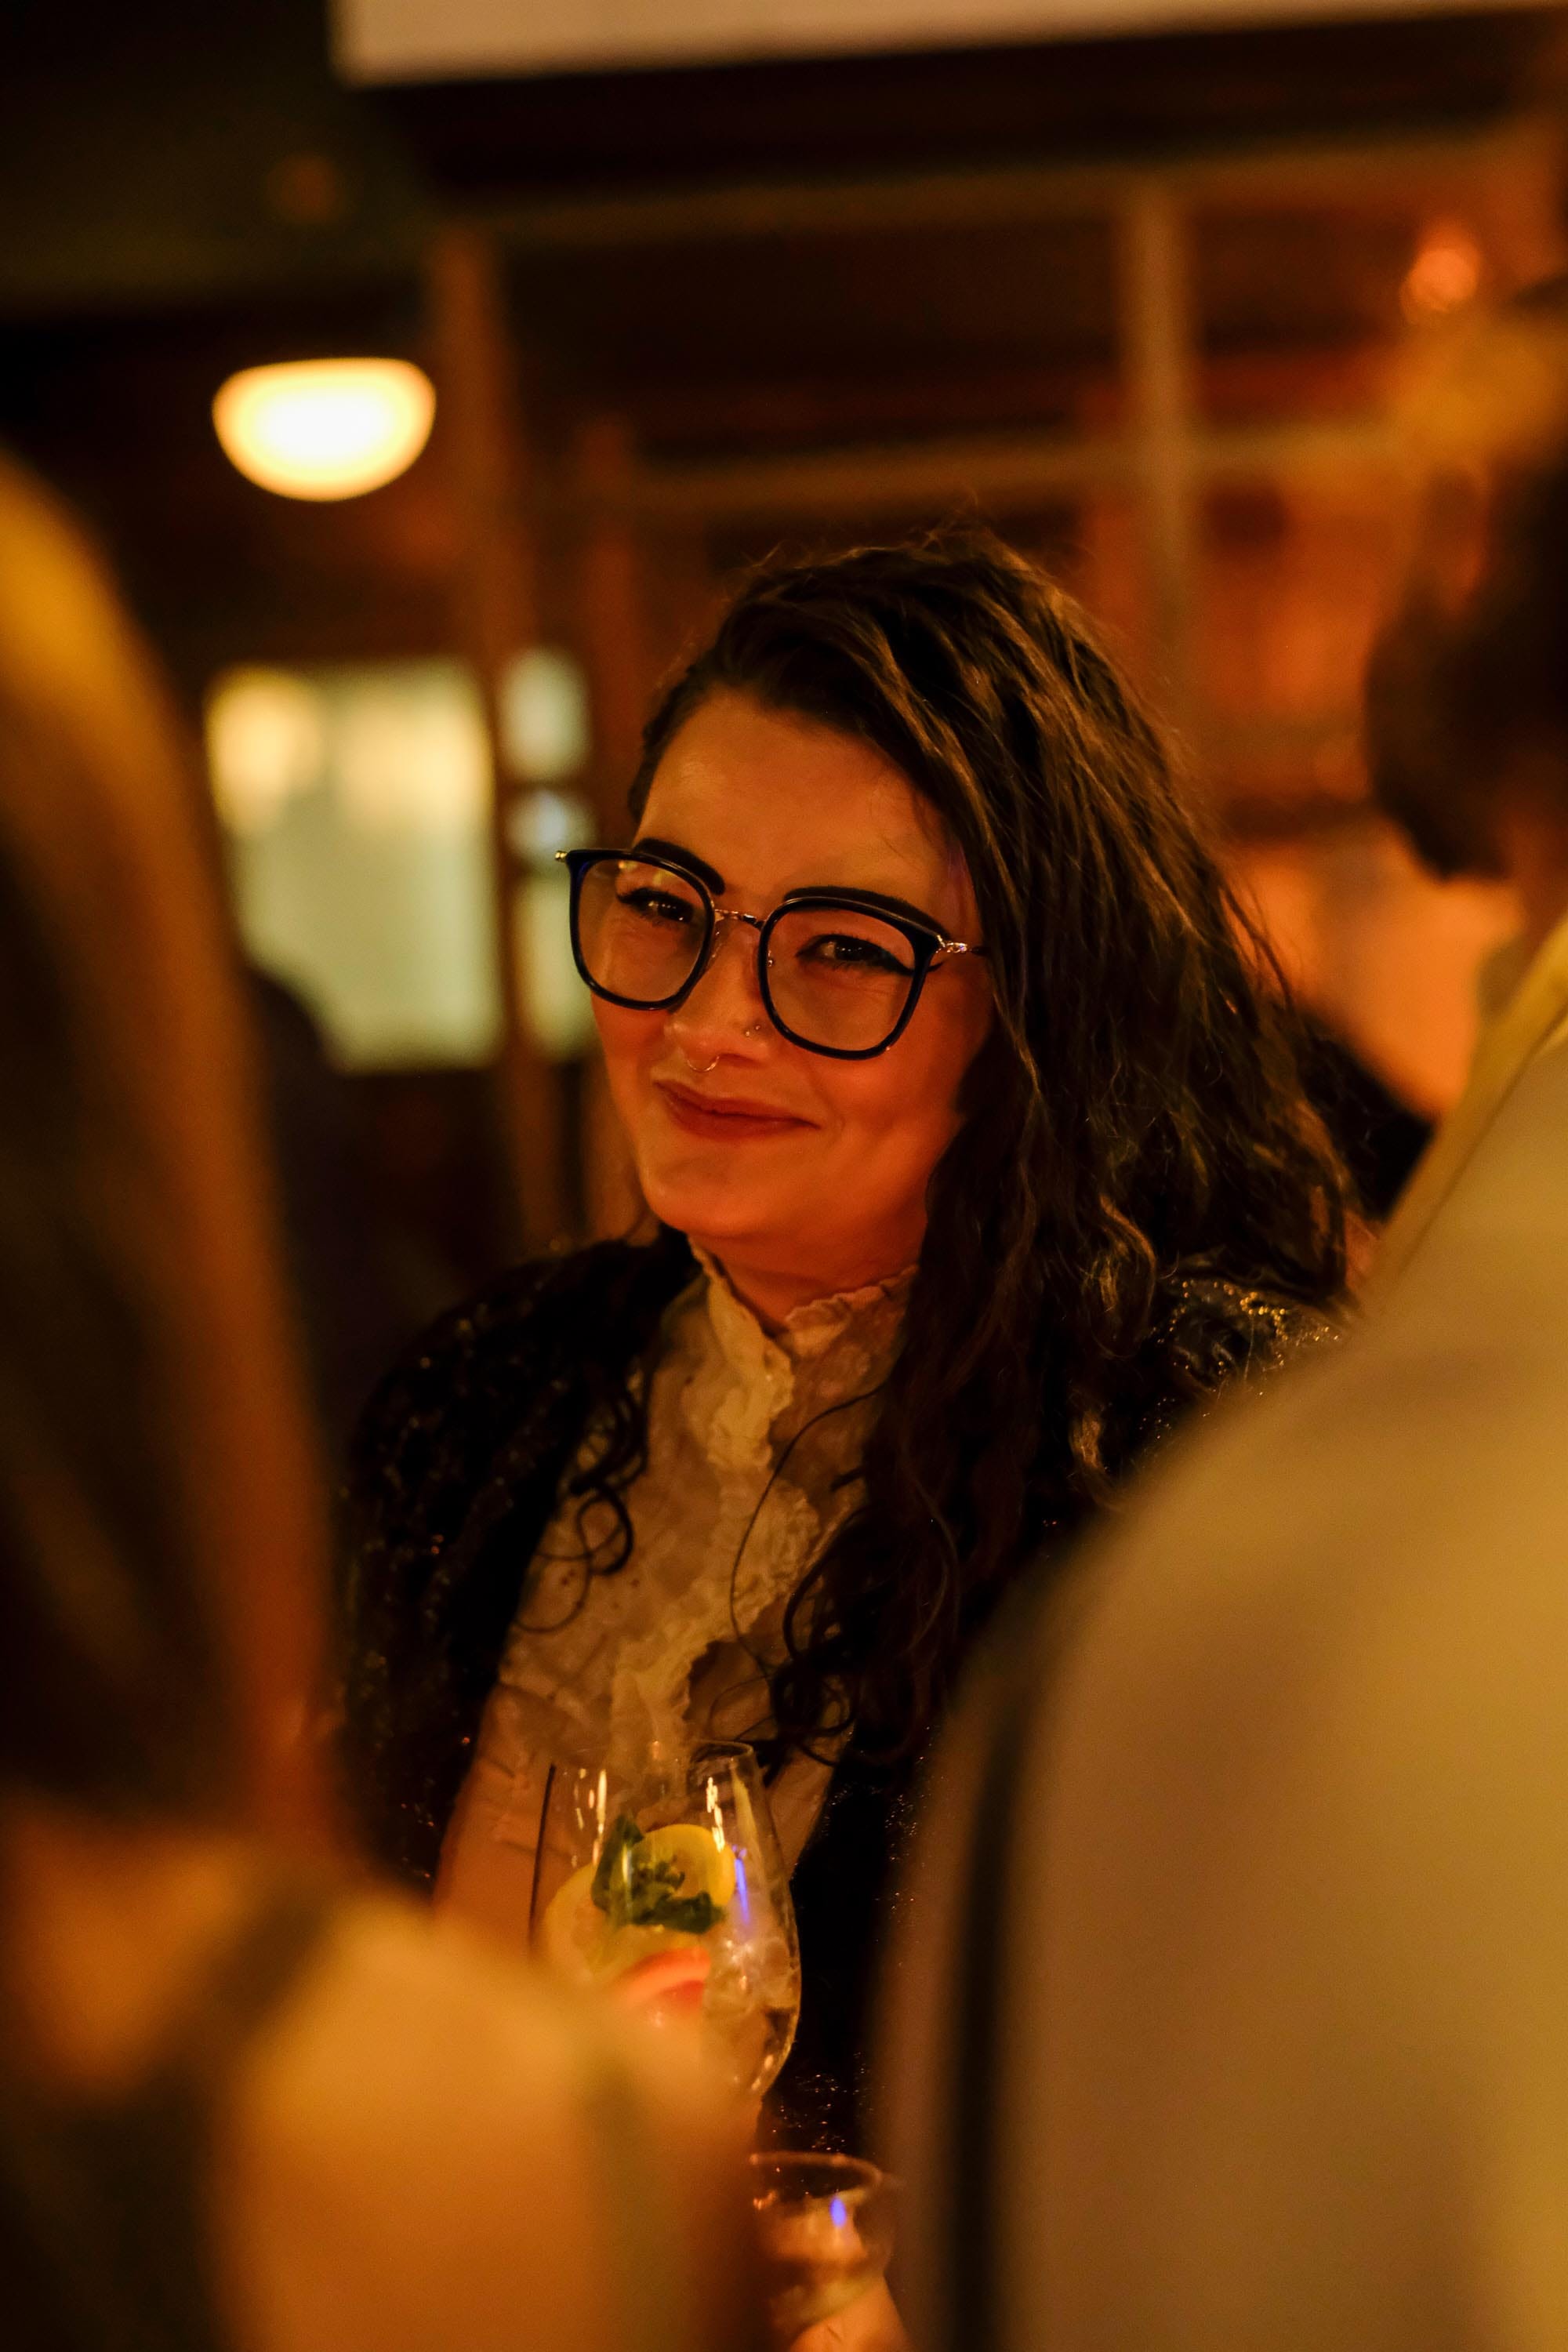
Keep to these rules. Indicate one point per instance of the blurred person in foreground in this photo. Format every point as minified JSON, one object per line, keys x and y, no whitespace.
{"x":1237,"y":2015}
{"x":242,"y":2101}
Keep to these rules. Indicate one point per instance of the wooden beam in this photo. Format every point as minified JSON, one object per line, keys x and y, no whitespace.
{"x":1300,"y":450}
{"x":613,"y":641}
{"x":496,"y":606}
{"x":861,"y":480}
{"x":1160,"y":358}
{"x":1319,"y":171}
{"x":612,"y":620}
{"x":989,"y":469}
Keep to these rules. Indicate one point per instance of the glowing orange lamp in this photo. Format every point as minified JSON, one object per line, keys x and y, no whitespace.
{"x":325,"y":428}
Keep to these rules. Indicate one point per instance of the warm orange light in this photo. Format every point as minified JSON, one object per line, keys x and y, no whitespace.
{"x":1444,"y":274}
{"x":325,"y":428}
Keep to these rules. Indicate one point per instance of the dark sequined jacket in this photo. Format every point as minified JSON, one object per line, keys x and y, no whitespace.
{"x":454,"y":1475}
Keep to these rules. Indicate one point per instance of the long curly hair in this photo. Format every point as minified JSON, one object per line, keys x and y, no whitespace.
{"x":1134,"y":1122}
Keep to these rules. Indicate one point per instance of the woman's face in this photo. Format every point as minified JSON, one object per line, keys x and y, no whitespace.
{"x":802,"y":1174}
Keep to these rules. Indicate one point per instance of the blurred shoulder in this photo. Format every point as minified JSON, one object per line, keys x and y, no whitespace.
{"x":1252,"y":1541}
{"x":1343,"y":1609}
{"x":420,"y":2155}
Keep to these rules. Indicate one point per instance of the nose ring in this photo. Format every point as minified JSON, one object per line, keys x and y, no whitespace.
{"x":701,"y":1069}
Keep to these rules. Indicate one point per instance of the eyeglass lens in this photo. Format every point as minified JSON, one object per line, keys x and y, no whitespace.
{"x":836,"y":977}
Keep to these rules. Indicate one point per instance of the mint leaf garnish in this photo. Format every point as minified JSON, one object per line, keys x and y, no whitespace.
{"x":633,"y":1892}
{"x":693,"y":1915}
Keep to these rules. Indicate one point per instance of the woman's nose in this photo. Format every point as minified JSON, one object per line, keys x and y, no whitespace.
{"x":724,"y":1013}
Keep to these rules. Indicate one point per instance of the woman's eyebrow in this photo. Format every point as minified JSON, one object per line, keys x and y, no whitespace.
{"x":883,"y":900}
{"x":653,"y":847}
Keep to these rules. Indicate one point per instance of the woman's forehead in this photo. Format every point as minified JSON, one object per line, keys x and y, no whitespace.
{"x":776,"y":803}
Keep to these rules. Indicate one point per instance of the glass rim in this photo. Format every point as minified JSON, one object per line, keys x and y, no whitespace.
{"x":734,"y":1751}
{"x":863,"y":2178}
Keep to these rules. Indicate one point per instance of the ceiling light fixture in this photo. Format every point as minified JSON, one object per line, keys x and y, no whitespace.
{"x":325,"y":428}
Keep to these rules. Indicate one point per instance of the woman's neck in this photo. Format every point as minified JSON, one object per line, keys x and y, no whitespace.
{"x":773,"y":1294}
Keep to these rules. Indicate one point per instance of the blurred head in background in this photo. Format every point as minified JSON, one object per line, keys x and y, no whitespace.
{"x":1467,"y":687}
{"x":157,"y":1510}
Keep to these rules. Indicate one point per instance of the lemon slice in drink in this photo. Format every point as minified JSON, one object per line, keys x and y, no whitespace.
{"x":705,"y":1867}
{"x":577,"y":1937}
{"x":697,"y":1866}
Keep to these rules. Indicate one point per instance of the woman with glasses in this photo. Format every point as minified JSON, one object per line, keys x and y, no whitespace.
{"x":977,"y":1156}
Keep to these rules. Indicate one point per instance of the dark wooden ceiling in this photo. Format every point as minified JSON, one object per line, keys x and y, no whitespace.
{"x":1059,"y":100}
{"x":184,"y":189}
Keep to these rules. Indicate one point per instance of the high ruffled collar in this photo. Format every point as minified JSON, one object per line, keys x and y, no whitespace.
{"x":870,"y":1316}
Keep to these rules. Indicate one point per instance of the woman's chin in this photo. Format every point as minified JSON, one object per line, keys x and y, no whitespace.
{"x":711,"y":1224}
{"x":712,"y":1212}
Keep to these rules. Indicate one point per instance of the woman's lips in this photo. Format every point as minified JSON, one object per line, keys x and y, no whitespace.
{"x":728,"y":1119}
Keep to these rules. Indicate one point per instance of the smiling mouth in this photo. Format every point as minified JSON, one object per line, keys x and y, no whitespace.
{"x":728,"y":1115}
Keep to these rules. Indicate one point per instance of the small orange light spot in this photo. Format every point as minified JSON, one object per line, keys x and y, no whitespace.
{"x":1445,"y":275}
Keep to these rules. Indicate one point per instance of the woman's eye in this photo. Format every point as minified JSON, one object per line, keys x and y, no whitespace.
{"x":847,"y":952}
{"x":655,"y":906}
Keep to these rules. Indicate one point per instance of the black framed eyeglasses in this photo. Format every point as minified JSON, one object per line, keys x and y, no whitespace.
{"x":839,"y":971}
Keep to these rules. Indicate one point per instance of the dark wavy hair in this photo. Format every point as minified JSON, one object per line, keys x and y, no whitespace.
{"x":1134,"y":1122}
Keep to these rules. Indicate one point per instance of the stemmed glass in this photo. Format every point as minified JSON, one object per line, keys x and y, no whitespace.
{"x":667,"y":1887}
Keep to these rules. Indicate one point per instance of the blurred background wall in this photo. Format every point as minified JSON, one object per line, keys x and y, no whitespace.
{"x":1140,"y":298}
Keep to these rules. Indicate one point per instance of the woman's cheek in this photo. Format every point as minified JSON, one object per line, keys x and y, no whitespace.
{"x":629,"y":1042}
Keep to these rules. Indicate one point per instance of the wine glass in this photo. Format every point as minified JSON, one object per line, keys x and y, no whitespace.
{"x":667,"y":1888}
{"x":824,"y":2224}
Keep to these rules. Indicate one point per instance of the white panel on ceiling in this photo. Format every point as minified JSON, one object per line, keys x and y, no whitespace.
{"x":416,"y":40}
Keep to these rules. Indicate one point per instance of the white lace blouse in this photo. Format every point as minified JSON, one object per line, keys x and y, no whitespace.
{"x":741,"y":1488}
